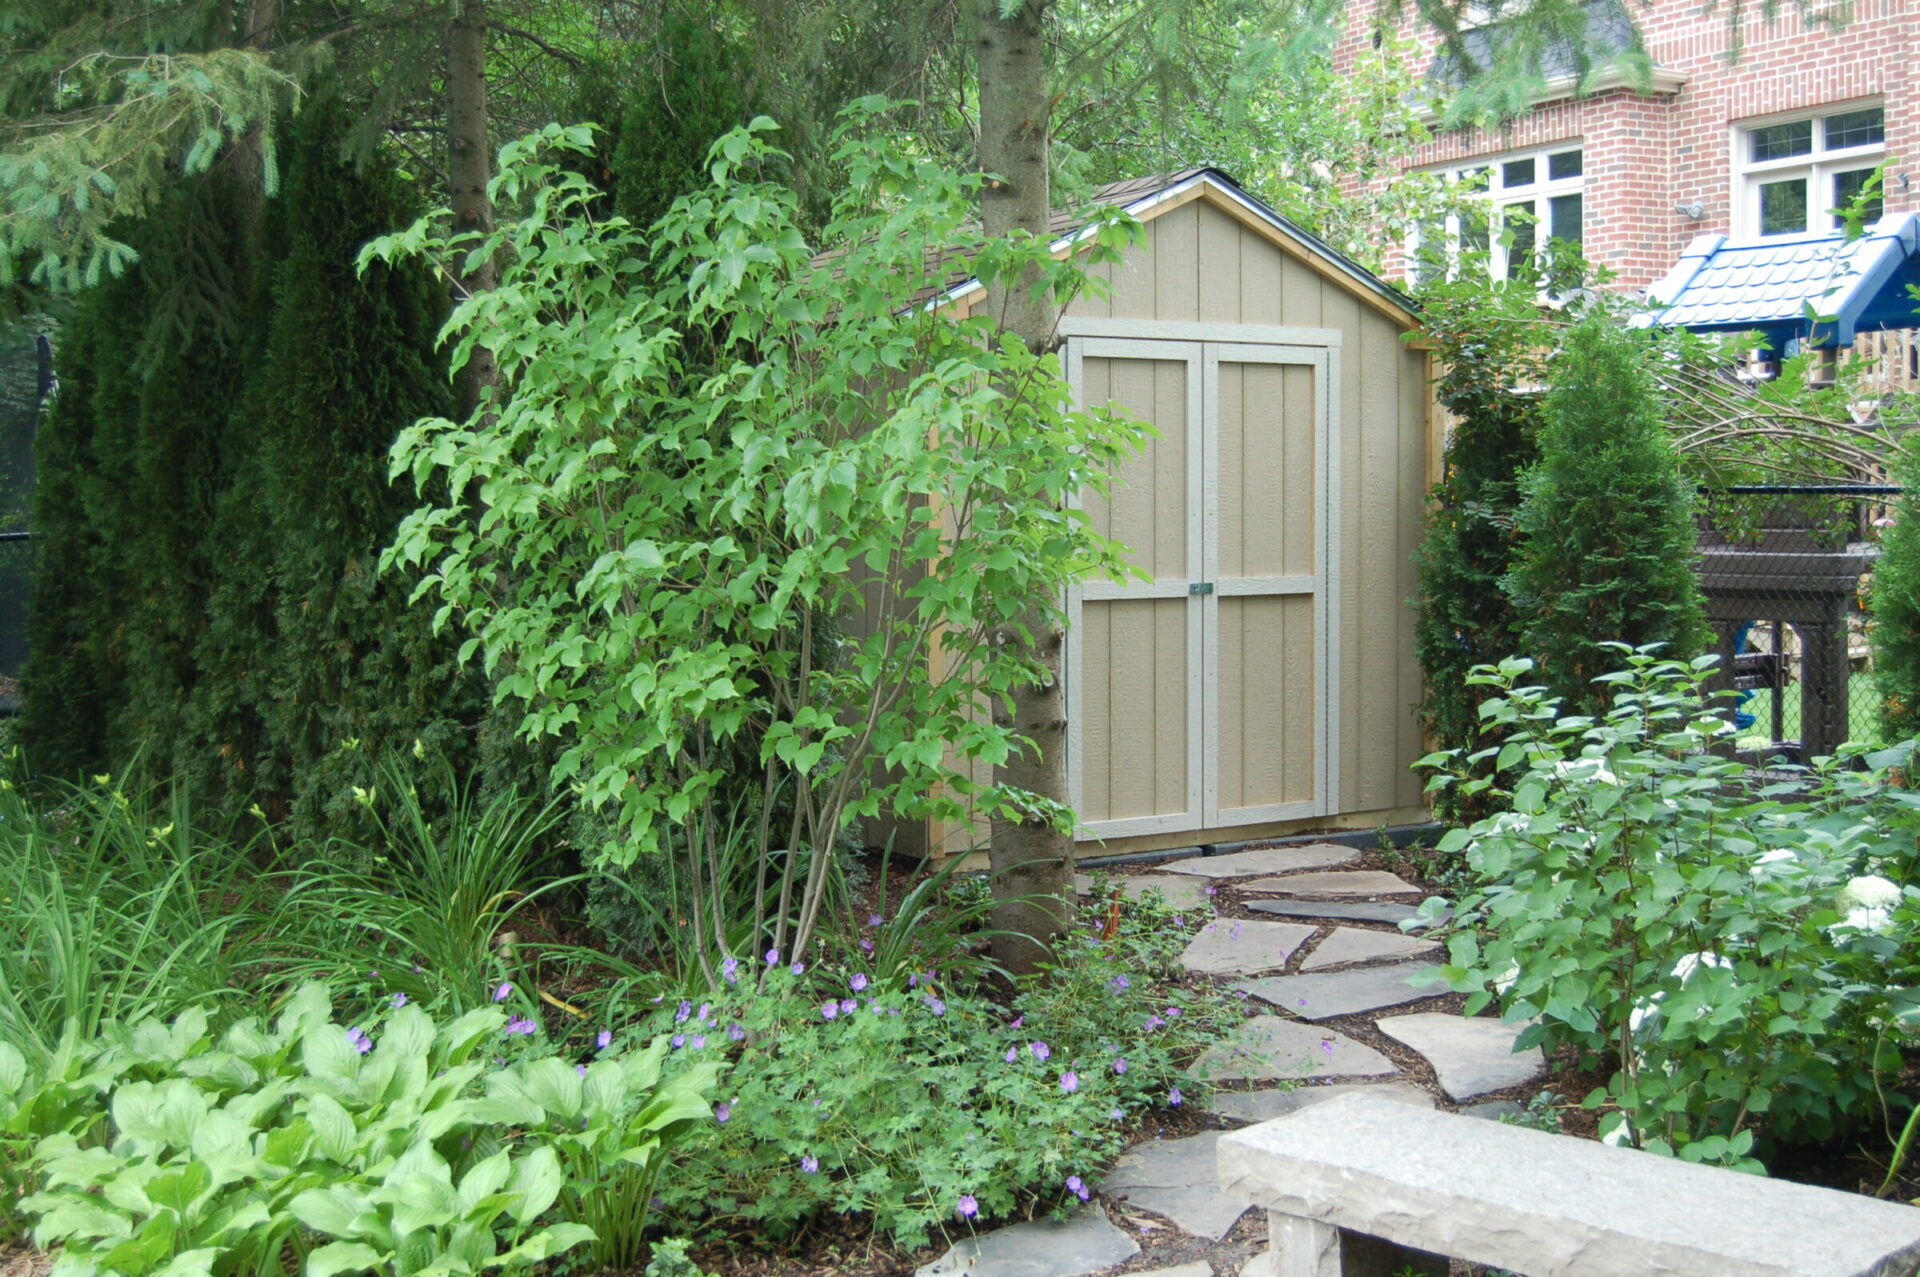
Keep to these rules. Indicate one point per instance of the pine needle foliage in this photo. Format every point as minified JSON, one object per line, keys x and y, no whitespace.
{"x":1606,"y":525}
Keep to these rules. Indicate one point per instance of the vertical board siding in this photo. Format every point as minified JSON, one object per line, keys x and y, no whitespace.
{"x":1412,"y":489}
{"x":1135,"y":701}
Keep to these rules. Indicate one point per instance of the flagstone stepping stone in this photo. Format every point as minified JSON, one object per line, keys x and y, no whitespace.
{"x":1198,"y":1268}
{"x":1346,"y":882}
{"x":1182,"y":891}
{"x":1326,"y":994}
{"x":1339,"y":910}
{"x":1264,"y":1106}
{"x":1470,"y":1057}
{"x":1267,"y":1048}
{"x":1353,"y":944}
{"x":1084,"y":1242}
{"x":1179,"y":1179}
{"x":1240,"y":946}
{"x":1266,"y":860}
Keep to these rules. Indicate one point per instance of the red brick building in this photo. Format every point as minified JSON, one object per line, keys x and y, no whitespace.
{"x":1765,"y":143}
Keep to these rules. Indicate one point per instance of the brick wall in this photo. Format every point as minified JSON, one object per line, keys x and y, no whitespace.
{"x":1645,"y":154}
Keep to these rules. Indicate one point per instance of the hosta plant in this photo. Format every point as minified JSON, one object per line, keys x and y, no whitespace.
{"x":221,"y":1155}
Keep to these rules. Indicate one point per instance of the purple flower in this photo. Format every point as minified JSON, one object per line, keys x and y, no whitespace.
{"x":848,"y":1006}
{"x":859,"y":982}
{"x":936,"y":1006}
{"x":502,"y":993}
{"x":1173,"y":1013}
{"x":1326,"y":1044}
{"x":798,"y":968}
{"x":1120,"y":983}
{"x":1117,"y":1114}
{"x":520,"y":1026}
{"x":809,"y":1164}
{"x":374,"y":974}
{"x":1120,"y":1066}
{"x":829,"y":1009}
{"x":1077,"y":1187}
{"x":1040,"y":1050}
{"x":967,"y":1207}
{"x":605,"y":1039}
{"x":913,"y":980}
{"x":1153,"y":1022}
{"x":1069,"y":1082}
{"x":730,"y":970}
{"x":1013,"y":1053}
{"x":874,"y":920}
{"x":581,"y":1069}
{"x":680,"y":1015}
{"x":679,"y":1040}
{"x":705,"y":1012}
{"x":773,"y":957}
{"x":358,"y":1040}
{"x":723,"y":1112}
{"x":399,"y":1000}
{"x":866,"y":944}
{"x":1017,"y":1023}
{"x":1175,"y":1098}
{"x":735,"y":1032}
{"x":699,"y":1040}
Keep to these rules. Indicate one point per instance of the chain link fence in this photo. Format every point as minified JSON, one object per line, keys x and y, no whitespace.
{"x":1785,"y":568}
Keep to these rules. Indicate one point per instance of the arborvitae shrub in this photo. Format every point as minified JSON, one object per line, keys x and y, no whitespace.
{"x":1896,"y":604}
{"x":1484,"y":351}
{"x":1606,"y":526}
{"x":214,"y":499}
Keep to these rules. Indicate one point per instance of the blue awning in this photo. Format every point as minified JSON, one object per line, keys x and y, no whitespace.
{"x":1819,"y":290}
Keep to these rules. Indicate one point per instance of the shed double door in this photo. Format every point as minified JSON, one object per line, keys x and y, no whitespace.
{"x":1201,"y":698}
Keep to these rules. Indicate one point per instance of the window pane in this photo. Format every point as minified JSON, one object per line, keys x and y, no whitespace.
{"x":1783,"y":207}
{"x":1847,"y":185}
{"x":1517,"y":172}
{"x":1856,"y":128}
{"x":1777,"y":141}
{"x":1473,"y":179}
{"x":1564,"y":217}
{"x":1565,"y":164}
{"x":1517,"y":221}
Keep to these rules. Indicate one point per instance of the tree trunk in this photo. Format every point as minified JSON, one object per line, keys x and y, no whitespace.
{"x":469,"y":167}
{"x":1030,"y":858}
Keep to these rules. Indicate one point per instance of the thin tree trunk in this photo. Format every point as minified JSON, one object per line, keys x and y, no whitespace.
{"x":469,"y":167}
{"x":1032,"y":861}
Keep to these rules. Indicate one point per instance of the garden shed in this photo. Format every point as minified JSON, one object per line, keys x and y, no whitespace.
{"x":1264,"y":679}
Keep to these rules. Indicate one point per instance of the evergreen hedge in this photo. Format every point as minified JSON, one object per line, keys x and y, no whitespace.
{"x":212,"y":501}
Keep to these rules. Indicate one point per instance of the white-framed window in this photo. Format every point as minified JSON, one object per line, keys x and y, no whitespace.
{"x":1790,"y":175}
{"x":1529,"y":197}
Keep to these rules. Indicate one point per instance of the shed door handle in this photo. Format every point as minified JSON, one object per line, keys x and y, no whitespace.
{"x":1200,"y":587}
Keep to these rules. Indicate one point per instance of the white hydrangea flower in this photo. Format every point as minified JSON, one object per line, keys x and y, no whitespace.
{"x":1873,"y":919}
{"x":1868,"y":892}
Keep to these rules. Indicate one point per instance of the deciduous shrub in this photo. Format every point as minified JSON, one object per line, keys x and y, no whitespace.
{"x":1655,"y":905}
{"x":1895,"y":603}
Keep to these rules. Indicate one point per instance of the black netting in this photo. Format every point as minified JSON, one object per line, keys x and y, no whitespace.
{"x":1785,"y":569}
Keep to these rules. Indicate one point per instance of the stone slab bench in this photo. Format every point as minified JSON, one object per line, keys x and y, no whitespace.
{"x":1365,"y":1187}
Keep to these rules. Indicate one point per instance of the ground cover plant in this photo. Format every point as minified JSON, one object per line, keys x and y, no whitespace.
{"x":1732,"y":950}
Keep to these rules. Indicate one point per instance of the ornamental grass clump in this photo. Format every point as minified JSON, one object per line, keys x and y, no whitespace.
{"x":1733,"y":950}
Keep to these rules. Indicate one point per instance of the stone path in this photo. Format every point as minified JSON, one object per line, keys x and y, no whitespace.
{"x":1338,"y":956}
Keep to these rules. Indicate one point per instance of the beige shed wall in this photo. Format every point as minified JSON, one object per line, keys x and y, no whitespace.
{"x":1201,"y":263}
